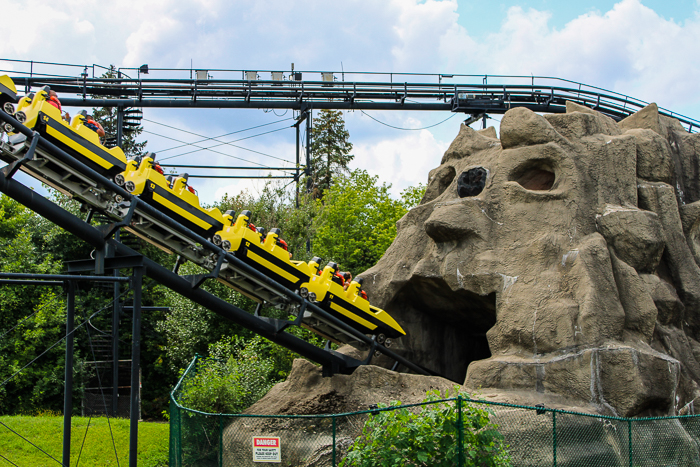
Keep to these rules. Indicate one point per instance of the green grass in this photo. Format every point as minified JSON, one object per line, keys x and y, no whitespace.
{"x":47,"y":433}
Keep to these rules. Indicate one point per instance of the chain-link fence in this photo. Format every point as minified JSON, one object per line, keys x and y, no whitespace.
{"x":523,"y":436}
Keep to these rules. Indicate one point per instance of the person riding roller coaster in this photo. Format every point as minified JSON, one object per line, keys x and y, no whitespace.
{"x":53,"y":100}
{"x":347,"y":278}
{"x":262,"y":232}
{"x":94,"y":125}
{"x":158,"y":168}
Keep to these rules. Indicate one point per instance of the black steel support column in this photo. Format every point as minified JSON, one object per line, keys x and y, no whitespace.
{"x":298,"y":158}
{"x":120,"y":125}
{"x":135,"y":366}
{"x":181,"y":285}
{"x":309,"y":169}
{"x":115,"y":341}
{"x":68,"y":387}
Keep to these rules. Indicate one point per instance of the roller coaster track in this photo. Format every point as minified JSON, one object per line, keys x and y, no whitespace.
{"x":473,"y":99}
{"x":101,"y":238}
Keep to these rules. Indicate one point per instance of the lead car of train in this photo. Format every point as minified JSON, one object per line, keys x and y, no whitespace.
{"x":173,"y":196}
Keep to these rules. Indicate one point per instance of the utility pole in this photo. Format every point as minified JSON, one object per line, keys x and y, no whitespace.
{"x":300,"y":119}
{"x":309,"y":168}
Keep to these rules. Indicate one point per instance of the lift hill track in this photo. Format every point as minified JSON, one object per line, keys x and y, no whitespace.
{"x":37,"y":153}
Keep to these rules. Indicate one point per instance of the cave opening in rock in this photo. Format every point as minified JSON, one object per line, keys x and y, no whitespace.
{"x":446,"y":329}
{"x":536,"y":175}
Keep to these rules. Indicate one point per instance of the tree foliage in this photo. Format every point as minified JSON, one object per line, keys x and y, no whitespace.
{"x":238,"y":373}
{"x":330,"y":150}
{"x":190,"y":329}
{"x":31,"y":318}
{"x":356,"y":220}
{"x":430,"y":437}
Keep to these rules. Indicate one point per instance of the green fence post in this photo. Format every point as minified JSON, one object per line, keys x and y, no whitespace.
{"x":333,"y":419}
{"x":460,"y":433}
{"x":179,"y":435}
{"x":221,"y":440}
{"x":554,"y":439}
{"x":629,"y":440}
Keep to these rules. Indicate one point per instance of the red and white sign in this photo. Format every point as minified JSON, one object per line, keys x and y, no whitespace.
{"x":266,"y":449}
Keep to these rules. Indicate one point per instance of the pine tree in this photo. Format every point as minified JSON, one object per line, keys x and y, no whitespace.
{"x":107,"y":116}
{"x":330,"y":150}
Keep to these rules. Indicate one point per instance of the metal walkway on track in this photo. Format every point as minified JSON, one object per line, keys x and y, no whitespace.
{"x":549,"y":95}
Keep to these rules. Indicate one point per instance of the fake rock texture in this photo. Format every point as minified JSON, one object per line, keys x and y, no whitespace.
{"x":561,"y":260}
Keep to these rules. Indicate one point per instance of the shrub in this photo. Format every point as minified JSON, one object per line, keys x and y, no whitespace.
{"x":231,"y":385}
{"x":429,"y":437}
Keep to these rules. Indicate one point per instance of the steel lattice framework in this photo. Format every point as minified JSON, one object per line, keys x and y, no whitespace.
{"x":469,"y":98}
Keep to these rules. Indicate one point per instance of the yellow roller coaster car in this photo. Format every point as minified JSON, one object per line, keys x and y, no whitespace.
{"x":34,"y":111}
{"x":349,"y":306}
{"x":171,"y":195}
{"x":268,"y":256}
{"x":8,"y":91}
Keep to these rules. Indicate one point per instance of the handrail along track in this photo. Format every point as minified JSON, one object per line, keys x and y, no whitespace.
{"x":468,"y":98}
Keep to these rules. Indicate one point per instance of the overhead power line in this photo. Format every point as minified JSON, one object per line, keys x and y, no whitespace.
{"x":214,"y":138}
{"x":208,"y":149}
{"x":407,"y":129}
{"x":235,"y":146}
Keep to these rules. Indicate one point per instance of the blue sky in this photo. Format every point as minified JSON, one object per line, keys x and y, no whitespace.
{"x":643,"y":48}
{"x":490,"y":14}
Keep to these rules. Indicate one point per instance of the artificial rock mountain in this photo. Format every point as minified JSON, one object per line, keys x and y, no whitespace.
{"x":559,"y":260}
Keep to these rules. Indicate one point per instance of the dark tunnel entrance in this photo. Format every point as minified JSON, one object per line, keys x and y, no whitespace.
{"x":446,"y":329}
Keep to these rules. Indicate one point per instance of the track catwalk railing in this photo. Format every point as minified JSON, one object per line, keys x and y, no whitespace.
{"x":462,"y":97}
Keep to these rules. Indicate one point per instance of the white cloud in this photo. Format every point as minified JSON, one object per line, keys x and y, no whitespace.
{"x":402,"y":161}
{"x":629,"y":49}
{"x":421,"y":30}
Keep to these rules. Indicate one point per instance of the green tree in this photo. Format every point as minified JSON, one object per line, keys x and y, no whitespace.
{"x":430,"y":437}
{"x":32,"y":318}
{"x":238,"y":374}
{"x":412,"y":196}
{"x":330,"y":150}
{"x":190,"y":329}
{"x":356,"y":220}
{"x":107,"y":116}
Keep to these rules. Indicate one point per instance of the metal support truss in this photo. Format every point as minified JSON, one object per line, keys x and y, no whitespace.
{"x":470,"y":98}
{"x":271,"y":329}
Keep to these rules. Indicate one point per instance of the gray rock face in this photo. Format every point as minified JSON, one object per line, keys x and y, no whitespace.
{"x":306,"y":442}
{"x":561,"y":260}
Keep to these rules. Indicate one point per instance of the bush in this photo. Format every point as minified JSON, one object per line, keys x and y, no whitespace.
{"x":401,"y":437}
{"x":232,"y":385}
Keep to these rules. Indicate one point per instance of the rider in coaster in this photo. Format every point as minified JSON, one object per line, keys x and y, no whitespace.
{"x":95,"y":126}
{"x":284,"y":245}
{"x":53,"y":100}
{"x":158,"y":168}
{"x":337,"y":275}
{"x":347,"y":277}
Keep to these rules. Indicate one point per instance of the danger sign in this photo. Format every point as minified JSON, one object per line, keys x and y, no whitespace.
{"x":266,"y":449}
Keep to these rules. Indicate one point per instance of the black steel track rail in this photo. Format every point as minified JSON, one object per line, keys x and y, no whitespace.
{"x":300,"y":95}
{"x":188,"y":287}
